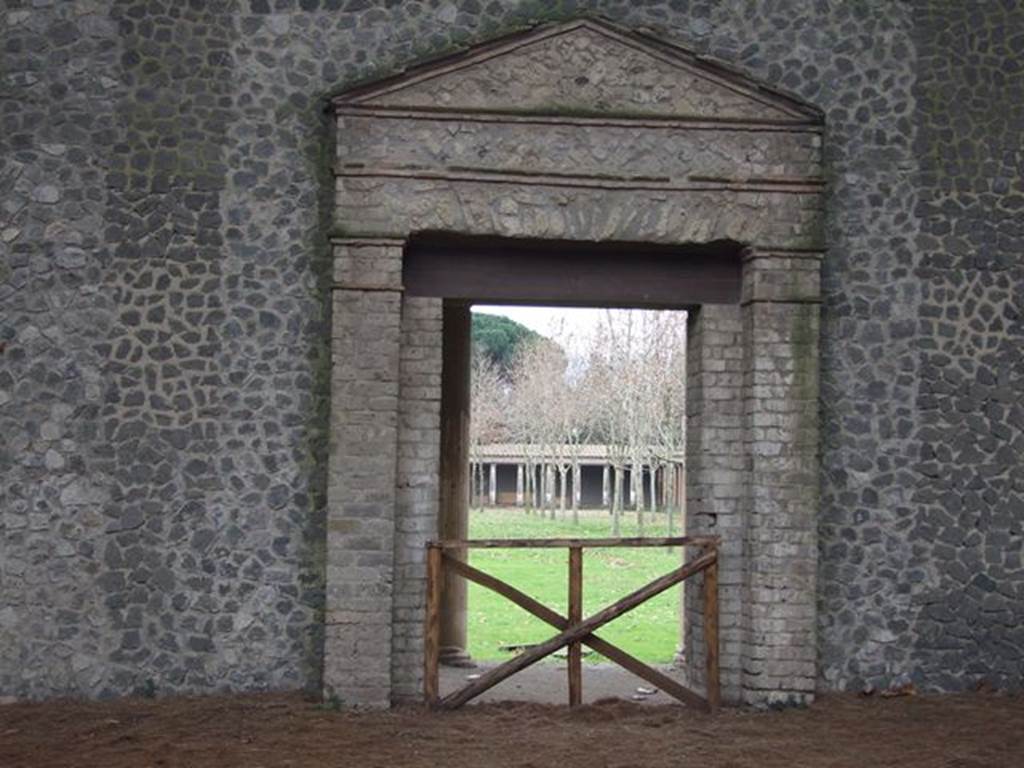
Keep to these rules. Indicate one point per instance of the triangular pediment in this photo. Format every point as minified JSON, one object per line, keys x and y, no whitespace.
{"x":582,"y":67}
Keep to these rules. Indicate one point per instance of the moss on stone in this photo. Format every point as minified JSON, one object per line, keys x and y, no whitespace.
{"x":804,"y":349}
{"x":317,"y":150}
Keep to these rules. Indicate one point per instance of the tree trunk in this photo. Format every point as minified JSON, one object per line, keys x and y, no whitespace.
{"x":617,"y":500}
{"x":545,"y":489}
{"x":637,"y":479}
{"x":541,"y":506}
{"x":654,"y":488}
{"x":528,"y":488}
{"x":479,"y":485}
{"x":577,"y":490}
{"x":549,"y":477}
{"x":670,"y":495}
{"x":562,"y":489}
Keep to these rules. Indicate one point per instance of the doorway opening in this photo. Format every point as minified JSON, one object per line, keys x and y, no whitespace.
{"x":577,"y":430}
{"x":566,"y":422}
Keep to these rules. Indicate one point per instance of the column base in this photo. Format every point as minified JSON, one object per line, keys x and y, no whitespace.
{"x":453,"y":656}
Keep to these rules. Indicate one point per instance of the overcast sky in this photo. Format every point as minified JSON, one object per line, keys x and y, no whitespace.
{"x":579,"y":323}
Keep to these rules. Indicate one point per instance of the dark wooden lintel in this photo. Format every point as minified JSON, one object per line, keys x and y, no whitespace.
{"x":510,"y":270}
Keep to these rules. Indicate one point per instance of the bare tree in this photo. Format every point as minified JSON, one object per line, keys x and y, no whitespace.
{"x":487,"y":416}
{"x":636,"y":375}
{"x":670,"y":433}
{"x":626,"y":391}
{"x":610,"y":420}
{"x":538,"y":384}
{"x":661,"y":382}
{"x":523,"y":427}
{"x":577,"y":429}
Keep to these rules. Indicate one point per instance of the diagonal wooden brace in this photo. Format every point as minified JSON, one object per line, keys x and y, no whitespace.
{"x":606,"y":649}
{"x":581,"y":632}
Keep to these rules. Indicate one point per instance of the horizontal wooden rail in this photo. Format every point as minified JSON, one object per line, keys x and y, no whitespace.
{"x":573,"y":629}
{"x":670,"y":541}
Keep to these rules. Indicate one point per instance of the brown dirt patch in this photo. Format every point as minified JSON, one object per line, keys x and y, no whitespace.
{"x":963,"y":731}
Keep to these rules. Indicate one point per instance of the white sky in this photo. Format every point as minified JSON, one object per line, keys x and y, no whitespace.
{"x":551,"y":321}
{"x":558,"y":323}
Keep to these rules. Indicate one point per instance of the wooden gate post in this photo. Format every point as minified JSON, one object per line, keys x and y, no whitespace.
{"x":575,"y":617}
{"x":432,"y":626}
{"x":711,"y":634}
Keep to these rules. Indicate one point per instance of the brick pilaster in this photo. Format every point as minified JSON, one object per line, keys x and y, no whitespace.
{"x":780,"y":309}
{"x":716,"y":469}
{"x":366,"y":341}
{"x":419,"y":442}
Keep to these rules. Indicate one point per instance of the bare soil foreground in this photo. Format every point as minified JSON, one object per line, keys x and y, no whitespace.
{"x":964,"y":731}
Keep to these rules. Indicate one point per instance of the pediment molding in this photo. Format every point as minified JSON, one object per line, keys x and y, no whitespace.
{"x":586,"y":70}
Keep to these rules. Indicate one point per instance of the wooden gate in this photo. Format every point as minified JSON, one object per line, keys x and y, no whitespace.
{"x":573,"y":629}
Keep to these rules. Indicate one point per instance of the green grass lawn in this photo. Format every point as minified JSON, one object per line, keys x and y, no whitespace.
{"x":650,"y":632}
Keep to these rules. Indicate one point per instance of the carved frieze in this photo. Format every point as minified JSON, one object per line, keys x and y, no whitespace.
{"x":579,"y":131}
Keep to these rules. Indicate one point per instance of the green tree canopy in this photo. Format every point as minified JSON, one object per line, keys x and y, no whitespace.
{"x":498,"y":337}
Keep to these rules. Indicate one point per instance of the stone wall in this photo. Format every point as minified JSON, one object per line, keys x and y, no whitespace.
{"x":921,"y":530}
{"x":966,"y":616}
{"x":163,"y":374}
{"x":164,"y":213}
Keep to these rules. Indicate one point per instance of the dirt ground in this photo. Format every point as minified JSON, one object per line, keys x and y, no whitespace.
{"x":547,"y":683}
{"x":963,"y":731}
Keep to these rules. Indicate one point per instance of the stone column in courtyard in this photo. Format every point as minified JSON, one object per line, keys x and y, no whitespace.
{"x":781,"y":297}
{"x":492,"y":485}
{"x":715,"y":483}
{"x":606,"y":487}
{"x":520,"y":479}
{"x":454,"y":502}
{"x":365,"y":343}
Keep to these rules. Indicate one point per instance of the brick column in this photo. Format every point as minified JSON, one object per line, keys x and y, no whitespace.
{"x":418,"y":492}
{"x":780,"y":302}
{"x":361,"y":471}
{"x":716,"y":468}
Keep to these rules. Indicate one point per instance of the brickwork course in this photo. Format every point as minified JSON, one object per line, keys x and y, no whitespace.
{"x":170,"y":346}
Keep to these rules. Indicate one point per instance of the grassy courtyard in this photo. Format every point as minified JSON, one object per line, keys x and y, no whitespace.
{"x":650,"y":632}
